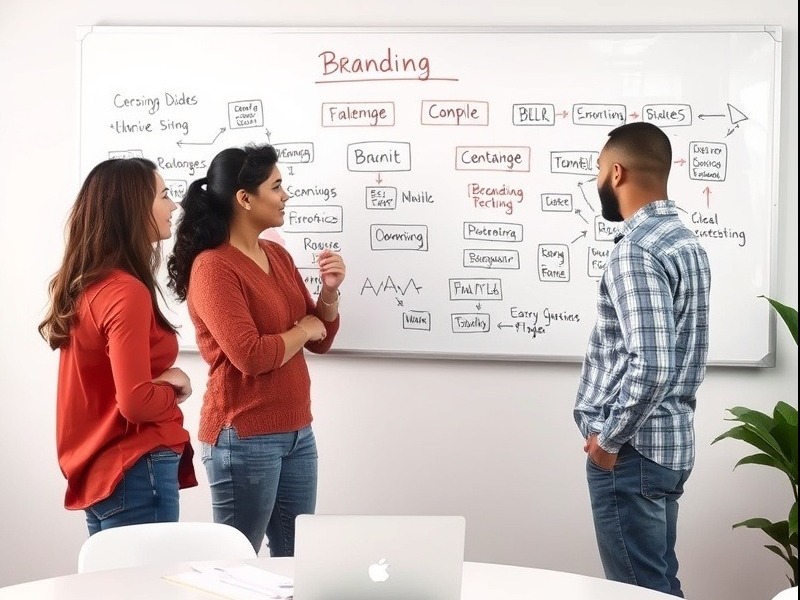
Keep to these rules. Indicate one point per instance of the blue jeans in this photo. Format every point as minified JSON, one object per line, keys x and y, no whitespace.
{"x":635,"y":511}
{"x":147,"y":493}
{"x":259,"y":484}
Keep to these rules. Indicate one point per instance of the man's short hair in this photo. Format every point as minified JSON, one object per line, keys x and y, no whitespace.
{"x":641,"y":147}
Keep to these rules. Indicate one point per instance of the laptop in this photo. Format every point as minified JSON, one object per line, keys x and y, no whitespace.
{"x":376,"y":557}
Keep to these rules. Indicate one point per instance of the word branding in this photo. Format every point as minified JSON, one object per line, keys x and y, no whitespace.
{"x":390,"y":63}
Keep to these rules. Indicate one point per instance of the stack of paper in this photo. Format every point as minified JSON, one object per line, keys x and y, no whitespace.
{"x":239,"y":582}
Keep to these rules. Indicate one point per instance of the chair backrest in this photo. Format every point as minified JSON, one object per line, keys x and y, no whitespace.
{"x":786,"y":594}
{"x":153,"y":543}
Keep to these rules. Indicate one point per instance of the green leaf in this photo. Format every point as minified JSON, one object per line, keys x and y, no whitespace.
{"x":786,"y":412}
{"x":760,"y":424}
{"x":778,"y":531}
{"x":760,"y":459}
{"x":757,"y":419}
{"x":777,"y":550}
{"x":733,"y":432}
{"x":757,"y":523}
{"x":785,"y":432}
{"x":746,"y":434}
{"x":793,"y":562}
{"x":793,"y":522}
{"x":786,"y":436}
{"x":788,"y":314}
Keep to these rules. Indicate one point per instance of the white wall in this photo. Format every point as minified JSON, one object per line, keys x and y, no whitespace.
{"x":493,"y":441}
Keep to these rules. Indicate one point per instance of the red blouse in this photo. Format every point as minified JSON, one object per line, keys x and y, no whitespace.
{"x":109,"y":412}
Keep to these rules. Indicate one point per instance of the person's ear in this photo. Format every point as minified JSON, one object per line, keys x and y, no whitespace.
{"x":619,"y":174}
{"x":243,"y":199}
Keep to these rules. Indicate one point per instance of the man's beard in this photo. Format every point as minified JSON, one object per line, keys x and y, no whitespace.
{"x":609,"y":203}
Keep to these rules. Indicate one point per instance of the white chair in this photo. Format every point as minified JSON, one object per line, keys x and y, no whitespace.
{"x":787,"y":594}
{"x":153,"y":543}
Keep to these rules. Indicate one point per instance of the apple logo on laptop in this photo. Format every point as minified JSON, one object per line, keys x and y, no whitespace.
{"x":379,"y":571}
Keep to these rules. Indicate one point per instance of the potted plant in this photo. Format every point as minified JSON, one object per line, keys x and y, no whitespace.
{"x":775,"y":437}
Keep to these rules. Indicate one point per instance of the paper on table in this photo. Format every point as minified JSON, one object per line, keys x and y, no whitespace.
{"x":240,"y":582}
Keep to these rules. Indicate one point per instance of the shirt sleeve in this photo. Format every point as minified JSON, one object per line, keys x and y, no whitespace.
{"x":331,"y":327}
{"x":125,"y":315}
{"x":218,"y":300}
{"x":640,"y":292}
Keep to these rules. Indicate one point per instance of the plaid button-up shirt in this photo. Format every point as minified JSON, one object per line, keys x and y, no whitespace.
{"x":647,"y":352}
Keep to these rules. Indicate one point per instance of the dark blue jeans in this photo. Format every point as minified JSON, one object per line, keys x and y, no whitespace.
{"x":635,"y":510}
{"x":148,"y":493}
{"x":260,"y":484}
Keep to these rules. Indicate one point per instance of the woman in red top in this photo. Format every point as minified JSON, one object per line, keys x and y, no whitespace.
{"x":120,"y":437}
{"x":253,"y":316}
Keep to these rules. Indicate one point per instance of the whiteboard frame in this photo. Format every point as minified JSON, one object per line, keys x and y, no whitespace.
{"x":774,"y":31}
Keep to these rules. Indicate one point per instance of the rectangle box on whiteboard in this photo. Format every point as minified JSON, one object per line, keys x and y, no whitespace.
{"x":312,"y":219}
{"x":398,"y":237}
{"x":379,"y":157}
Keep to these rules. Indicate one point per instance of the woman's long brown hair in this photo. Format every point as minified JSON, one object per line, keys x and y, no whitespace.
{"x":110,"y":226}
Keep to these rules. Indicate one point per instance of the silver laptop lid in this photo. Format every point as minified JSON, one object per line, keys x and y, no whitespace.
{"x":377,"y":557}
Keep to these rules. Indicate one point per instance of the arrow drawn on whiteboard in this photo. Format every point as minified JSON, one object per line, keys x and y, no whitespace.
{"x":181,"y":143}
{"x":580,"y":187}
{"x":732,"y":129}
{"x":683,"y":210}
{"x":707,"y":192}
{"x":583,"y":234}
{"x":578,"y":212}
{"x":634,"y":115}
{"x":736,"y":115}
{"x":563,"y":114}
{"x":269,"y":136}
{"x":399,"y":302}
{"x":501,"y":326}
{"x":680,"y":161}
{"x":479,"y":306}
{"x":379,"y":180}
{"x":708,"y":116}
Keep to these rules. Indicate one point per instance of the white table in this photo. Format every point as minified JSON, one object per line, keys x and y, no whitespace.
{"x":481,"y":581}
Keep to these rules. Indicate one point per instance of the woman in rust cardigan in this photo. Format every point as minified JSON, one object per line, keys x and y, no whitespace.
{"x":253,"y":316}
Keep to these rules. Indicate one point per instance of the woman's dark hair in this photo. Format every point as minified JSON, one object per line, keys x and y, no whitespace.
{"x":111,"y":226}
{"x":208,"y":207}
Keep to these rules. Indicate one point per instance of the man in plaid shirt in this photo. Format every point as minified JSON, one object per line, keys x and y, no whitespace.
{"x":645,"y":361}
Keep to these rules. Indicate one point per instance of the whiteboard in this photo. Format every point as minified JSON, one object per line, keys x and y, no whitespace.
{"x":455,"y":168}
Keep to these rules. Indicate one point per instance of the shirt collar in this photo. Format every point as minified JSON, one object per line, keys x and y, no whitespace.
{"x":657,"y":208}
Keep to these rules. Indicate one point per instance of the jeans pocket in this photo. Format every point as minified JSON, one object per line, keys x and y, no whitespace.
{"x":112,"y":505}
{"x":657,"y":481}
{"x":594,"y":465}
{"x":165,"y":455}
